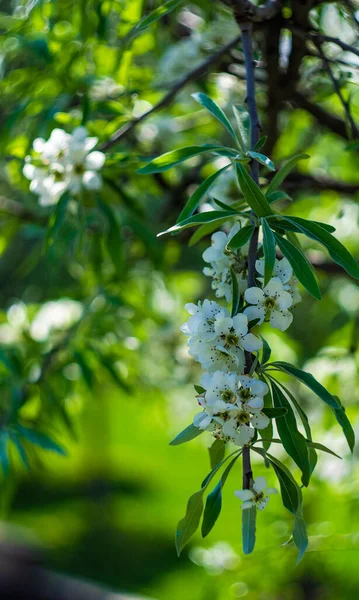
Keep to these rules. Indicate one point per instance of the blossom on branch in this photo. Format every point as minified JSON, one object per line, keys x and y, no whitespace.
{"x":257,"y":496}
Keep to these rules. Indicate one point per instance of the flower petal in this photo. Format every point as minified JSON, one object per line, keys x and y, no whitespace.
{"x":95,"y":160}
{"x":254,"y":295}
{"x":244,"y":495}
{"x":273,"y":287}
{"x":260,"y":421}
{"x":284,"y":300}
{"x":247,"y":504}
{"x":281,"y":319}
{"x":271,"y":491}
{"x":92,"y":181}
{"x":259,"y":484}
{"x":262,"y":503}
{"x":251,"y":342}
{"x":255,"y":312}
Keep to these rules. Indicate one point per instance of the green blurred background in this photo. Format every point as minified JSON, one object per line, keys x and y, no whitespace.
{"x":120,"y":385}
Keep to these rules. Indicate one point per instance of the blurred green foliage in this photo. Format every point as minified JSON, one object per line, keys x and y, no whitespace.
{"x":90,"y":349}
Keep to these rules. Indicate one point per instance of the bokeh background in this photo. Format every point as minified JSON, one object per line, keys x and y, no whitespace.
{"x":119,"y":385}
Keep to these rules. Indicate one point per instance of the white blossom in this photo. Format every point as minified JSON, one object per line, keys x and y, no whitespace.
{"x":221,"y":261}
{"x":270,"y":303}
{"x":283,"y":270}
{"x":257,"y":496}
{"x":63,"y":163}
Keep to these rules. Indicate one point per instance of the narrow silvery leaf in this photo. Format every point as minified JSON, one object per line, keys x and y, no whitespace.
{"x":188,"y":434}
{"x":262,"y":159}
{"x":170,"y":159}
{"x":249,"y":529}
{"x":302,"y":268}
{"x":293,"y":441}
{"x":198,"y":194}
{"x":300,"y":536}
{"x":243,"y":126}
{"x":252,"y":193}
{"x":269,"y":251}
{"x":216,"y":111}
{"x":199,"y":219}
{"x":216,"y":452}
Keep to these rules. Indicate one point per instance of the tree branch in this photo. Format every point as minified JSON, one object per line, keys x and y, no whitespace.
{"x":324,"y":117}
{"x":246,"y":29}
{"x":319,"y":37}
{"x":244,"y":10}
{"x":337,"y":89}
{"x":197,"y":72}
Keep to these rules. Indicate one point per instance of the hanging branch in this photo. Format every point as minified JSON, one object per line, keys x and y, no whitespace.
{"x":246,"y":29}
{"x":337,"y":89}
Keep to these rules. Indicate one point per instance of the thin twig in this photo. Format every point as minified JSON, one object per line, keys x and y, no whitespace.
{"x":320,"y":37}
{"x":337,"y":89}
{"x":245,"y":10}
{"x":197,"y":72}
{"x":246,"y":29}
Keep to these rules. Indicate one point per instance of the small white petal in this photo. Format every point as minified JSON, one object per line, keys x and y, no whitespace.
{"x":244,"y":495}
{"x":254,"y":295}
{"x":263,"y":503}
{"x":260,"y":421}
{"x":91,"y":180}
{"x":95,"y":161}
{"x":271,"y":491}
{"x":281,"y":319}
{"x":202,"y":420}
{"x":284,"y":300}
{"x":240,"y":323}
{"x":251,"y":342}
{"x":273,"y":287}
{"x":247,"y":504}
{"x":259,"y":484}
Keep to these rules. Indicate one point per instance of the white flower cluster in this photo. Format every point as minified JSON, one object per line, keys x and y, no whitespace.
{"x":64,"y":162}
{"x":232,"y":402}
{"x":222,"y":261}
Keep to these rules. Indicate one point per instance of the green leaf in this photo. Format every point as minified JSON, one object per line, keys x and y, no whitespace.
{"x":262,"y":159}
{"x":214,"y":501}
{"x":300,"y":536}
{"x":39,"y":439}
{"x":243,"y":126}
{"x":266,"y":351}
{"x":302,"y":268}
{"x":323,"y":394}
{"x":189,"y":433}
{"x":57,"y":220}
{"x":4,"y":456}
{"x":252,"y":193}
{"x":236,"y":298}
{"x":21,"y":450}
{"x":216,"y":452}
{"x":170,"y":159}
{"x":277,"y":196}
{"x":284,"y":171}
{"x":155,"y":15}
{"x":216,"y":111}
{"x":262,"y":140}
{"x":290,"y":490}
{"x":193,"y":202}
{"x":86,"y":370}
{"x":241,"y":237}
{"x":189,"y":524}
{"x":337,"y":251}
{"x":323,"y":448}
{"x":198,"y":219}
{"x":249,"y":529}
{"x":275,"y":413}
{"x":108,"y":364}
{"x":269,"y":251}
{"x":199,"y":389}
{"x":293,"y":441}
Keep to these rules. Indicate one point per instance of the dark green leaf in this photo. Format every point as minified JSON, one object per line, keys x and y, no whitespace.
{"x":21,"y":450}
{"x":236,"y":299}
{"x":155,"y":15}
{"x":269,"y":251}
{"x":216,"y":452}
{"x":216,"y":111}
{"x":198,"y":219}
{"x":39,"y":439}
{"x":189,"y":524}
{"x":337,"y":251}
{"x":262,"y":159}
{"x":4,"y":456}
{"x":170,"y":159}
{"x":186,"y":435}
{"x":243,"y":126}
{"x":194,"y":200}
{"x":323,"y":394}
{"x":277,"y":196}
{"x":57,"y":220}
{"x":323,"y":448}
{"x":214,"y":501}
{"x":86,"y":370}
{"x":293,"y":441}
{"x":300,"y":536}
{"x":290,"y":490}
{"x":252,"y":193}
{"x":249,"y":529}
{"x":262,"y":140}
{"x":275,"y":413}
{"x":113,"y":238}
{"x":241,"y":237}
{"x":302,"y":268}
{"x":206,"y":229}
{"x":199,"y":389}
{"x":266,"y":351}
{"x":284,"y":171}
